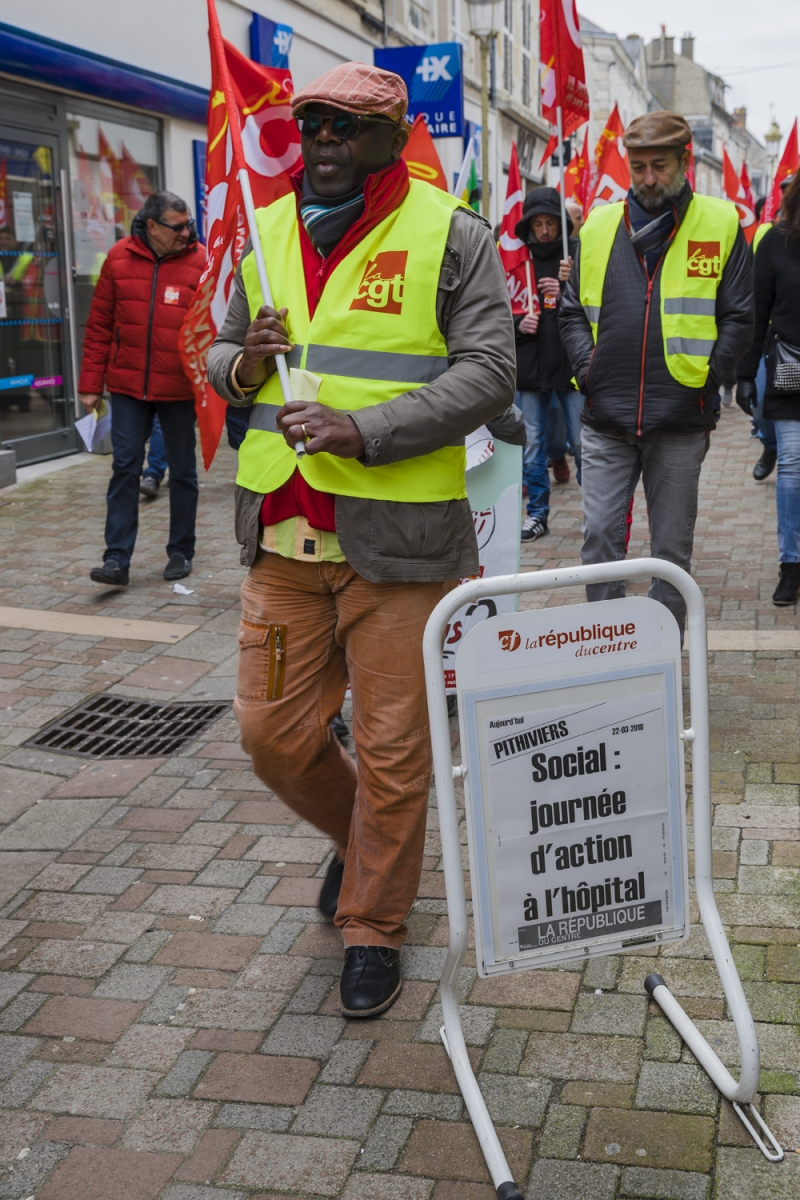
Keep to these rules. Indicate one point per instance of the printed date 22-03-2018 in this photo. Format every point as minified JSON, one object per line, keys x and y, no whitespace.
{"x":626,"y":729}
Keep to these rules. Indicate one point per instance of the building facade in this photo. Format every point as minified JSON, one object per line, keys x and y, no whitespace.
{"x":101,"y":104}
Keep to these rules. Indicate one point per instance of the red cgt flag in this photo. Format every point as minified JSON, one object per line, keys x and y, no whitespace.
{"x":421,"y":157}
{"x":563,"y":80}
{"x":577,"y":176}
{"x":514,"y":254}
{"x":790,"y":161}
{"x":613,"y":176}
{"x":249,"y":126}
{"x":735,"y":192}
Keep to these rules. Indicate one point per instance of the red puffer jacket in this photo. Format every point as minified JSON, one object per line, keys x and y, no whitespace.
{"x":138,"y":307}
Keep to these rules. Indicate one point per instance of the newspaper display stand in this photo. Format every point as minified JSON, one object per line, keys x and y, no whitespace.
{"x":569,"y":859}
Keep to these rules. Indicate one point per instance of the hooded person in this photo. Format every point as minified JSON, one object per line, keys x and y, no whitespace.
{"x":657,"y":311}
{"x":543,"y":371}
{"x":391,"y":303}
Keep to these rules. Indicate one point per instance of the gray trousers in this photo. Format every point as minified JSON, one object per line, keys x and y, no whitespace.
{"x":669,"y":464}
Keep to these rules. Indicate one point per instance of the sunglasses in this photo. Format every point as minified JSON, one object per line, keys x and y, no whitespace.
{"x":343,"y":125}
{"x":182,"y":227}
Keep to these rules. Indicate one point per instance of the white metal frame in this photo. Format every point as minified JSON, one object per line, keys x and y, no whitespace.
{"x":740,"y":1094}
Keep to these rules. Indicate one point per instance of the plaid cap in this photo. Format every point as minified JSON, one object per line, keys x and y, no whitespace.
{"x":356,"y":87}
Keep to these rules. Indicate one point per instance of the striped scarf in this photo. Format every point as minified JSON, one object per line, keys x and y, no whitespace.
{"x":327,"y":219}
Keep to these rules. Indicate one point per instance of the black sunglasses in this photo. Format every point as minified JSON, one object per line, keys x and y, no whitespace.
{"x":183,"y":227}
{"x":344,"y":125}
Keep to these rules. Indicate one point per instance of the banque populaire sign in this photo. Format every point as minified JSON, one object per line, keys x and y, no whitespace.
{"x":574,"y":784}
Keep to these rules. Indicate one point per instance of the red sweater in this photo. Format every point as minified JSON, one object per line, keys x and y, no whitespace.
{"x":138,"y":307}
{"x":383,"y":193}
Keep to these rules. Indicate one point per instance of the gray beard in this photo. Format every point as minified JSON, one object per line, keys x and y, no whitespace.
{"x":654,"y":199}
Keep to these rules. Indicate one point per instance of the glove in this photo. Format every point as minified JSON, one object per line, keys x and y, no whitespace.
{"x":746,"y":395}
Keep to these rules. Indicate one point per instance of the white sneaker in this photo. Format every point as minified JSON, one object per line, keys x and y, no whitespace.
{"x":533,"y":528}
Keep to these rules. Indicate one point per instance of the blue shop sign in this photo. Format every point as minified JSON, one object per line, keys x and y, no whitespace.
{"x":270,"y":42}
{"x":435,"y":83}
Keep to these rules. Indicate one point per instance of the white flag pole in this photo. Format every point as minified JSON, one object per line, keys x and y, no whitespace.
{"x":266,"y":290}
{"x":560,"y":135}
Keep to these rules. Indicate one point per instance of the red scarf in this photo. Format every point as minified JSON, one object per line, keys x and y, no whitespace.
{"x":383,"y":193}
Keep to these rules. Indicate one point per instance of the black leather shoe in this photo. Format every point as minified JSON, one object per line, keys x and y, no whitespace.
{"x":111,"y":574}
{"x":332,"y":885}
{"x":178,"y":567}
{"x":765,"y":465}
{"x":371,"y":980}
{"x":785,"y":593}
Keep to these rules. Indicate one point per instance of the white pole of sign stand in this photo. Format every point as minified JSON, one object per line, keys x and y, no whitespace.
{"x":740,"y":1094}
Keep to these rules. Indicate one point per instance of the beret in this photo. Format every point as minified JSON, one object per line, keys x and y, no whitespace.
{"x":359,"y":88}
{"x":660,"y":128}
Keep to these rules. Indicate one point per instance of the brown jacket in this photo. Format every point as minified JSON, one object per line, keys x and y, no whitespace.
{"x":385,"y":540}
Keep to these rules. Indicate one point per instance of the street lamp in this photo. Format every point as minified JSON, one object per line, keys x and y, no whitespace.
{"x":484,"y":19}
{"x":773,"y":140}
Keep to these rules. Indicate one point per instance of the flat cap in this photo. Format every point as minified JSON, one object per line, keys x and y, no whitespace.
{"x":660,"y":128}
{"x":356,"y":87}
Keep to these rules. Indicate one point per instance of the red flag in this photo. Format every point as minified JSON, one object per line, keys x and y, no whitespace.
{"x":747,"y":186}
{"x":578,"y":174}
{"x":613,"y":131}
{"x":790,"y":161}
{"x":735,"y":192}
{"x":136,"y":187}
{"x":421,"y":157}
{"x":563,"y":77}
{"x":514,"y":254}
{"x":249,"y":125}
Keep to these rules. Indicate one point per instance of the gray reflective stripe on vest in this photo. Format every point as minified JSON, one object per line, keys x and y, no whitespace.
{"x":294,"y":356}
{"x":263,"y":417}
{"x":689,"y":306}
{"x":375,"y":364}
{"x":592,"y":313}
{"x":701,"y":347}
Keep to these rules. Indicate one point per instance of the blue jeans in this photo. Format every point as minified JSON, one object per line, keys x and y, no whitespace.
{"x":787,"y":490}
{"x":764,"y":427}
{"x":535,"y":407}
{"x":131,"y":425}
{"x":156,"y":453}
{"x":556,"y":430}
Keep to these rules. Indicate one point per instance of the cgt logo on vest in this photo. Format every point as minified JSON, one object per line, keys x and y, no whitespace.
{"x":509,"y":639}
{"x":704,"y":260}
{"x":383,"y":284}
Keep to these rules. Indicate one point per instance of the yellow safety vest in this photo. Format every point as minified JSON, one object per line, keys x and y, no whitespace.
{"x":762,"y":229}
{"x":690,"y":275}
{"x":373,"y":337}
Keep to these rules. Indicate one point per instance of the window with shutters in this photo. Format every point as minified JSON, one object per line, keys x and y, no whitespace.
{"x":526,"y":53}
{"x":508,"y":45}
{"x":416,"y":15}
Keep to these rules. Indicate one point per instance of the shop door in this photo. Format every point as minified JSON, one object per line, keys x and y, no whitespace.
{"x":36,"y":404}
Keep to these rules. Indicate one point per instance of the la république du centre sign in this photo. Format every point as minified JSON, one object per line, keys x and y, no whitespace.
{"x":435,"y":84}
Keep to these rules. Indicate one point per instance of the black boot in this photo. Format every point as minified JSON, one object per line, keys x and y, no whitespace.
{"x":785,"y":593}
{"x":331,"y":886}
{"x":765,"y":465}
{"x":178,"y":567}
{"x":371,"y":980}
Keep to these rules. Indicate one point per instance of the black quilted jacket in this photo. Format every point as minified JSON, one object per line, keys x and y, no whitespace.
{"x":625,"y":379}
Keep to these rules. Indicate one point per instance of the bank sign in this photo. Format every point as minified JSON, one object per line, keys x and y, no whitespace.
{"x":435,"y":84}
{"x":574,"y":786}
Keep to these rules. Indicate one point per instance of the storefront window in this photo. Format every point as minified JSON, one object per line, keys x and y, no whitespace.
{"x":113,"y":170}
{"x":31,"y":362}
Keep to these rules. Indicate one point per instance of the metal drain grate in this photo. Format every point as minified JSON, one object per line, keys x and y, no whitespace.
{"x":116,"y":727}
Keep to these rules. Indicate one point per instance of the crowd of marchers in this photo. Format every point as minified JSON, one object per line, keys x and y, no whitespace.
{"x":391,"y":306}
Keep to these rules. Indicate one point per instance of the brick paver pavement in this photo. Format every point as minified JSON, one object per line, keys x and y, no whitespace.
{"x":169,"y":1024}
